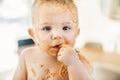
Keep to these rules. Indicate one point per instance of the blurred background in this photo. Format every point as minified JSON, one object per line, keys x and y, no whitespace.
{"x":99,"y":39}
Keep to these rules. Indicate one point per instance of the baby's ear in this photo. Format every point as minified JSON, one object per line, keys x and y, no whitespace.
{"x":31,"y":32}
{"x":78,"y":31}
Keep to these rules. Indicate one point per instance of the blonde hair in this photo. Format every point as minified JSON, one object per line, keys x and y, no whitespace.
{"x":66,"y":4}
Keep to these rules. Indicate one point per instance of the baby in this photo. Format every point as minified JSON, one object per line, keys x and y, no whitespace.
{"x":55,"y":31}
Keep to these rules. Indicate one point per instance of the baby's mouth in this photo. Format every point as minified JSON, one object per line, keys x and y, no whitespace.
{"x":57,"y":46}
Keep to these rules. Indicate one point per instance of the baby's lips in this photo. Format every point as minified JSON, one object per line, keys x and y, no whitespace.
{"x":60,"y":45}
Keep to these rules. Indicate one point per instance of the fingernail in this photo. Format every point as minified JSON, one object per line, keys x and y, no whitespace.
{"x":61,"y":49}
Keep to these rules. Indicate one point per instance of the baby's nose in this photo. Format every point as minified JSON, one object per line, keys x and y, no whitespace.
{"x":56,"y":35}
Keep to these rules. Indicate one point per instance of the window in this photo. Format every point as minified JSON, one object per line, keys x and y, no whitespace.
{"x":111,"y":8}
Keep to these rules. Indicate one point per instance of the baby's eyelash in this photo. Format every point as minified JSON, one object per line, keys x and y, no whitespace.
{"x":66,"y":28}
{"x":47,"y":28}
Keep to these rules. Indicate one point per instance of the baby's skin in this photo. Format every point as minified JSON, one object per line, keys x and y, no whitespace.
{"x":38,"y":65}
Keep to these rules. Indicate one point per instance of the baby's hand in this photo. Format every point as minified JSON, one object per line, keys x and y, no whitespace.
{"x":67,"y":55}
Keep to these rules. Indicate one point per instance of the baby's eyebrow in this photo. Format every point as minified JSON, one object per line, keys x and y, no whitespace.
{"x":50,"y":23}
{"x":45,"y":23}
{"x":42,"y":24}
{"x":68,"y":23}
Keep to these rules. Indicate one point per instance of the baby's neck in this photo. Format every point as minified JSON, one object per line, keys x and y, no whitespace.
{"x":48,"y":55}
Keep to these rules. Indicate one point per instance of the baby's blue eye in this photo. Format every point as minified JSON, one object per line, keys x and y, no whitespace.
{"x":47,"y":28}
{"x":65,"y":28}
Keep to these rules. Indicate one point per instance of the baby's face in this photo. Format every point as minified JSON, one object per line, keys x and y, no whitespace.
{"x":54,"y":26}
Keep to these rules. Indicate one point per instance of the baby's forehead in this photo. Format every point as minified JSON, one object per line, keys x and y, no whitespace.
{"x":54,"y":10}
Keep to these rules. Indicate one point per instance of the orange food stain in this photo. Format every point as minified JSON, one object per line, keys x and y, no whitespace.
{"x":47,"y":77}
{"x":46,"y":71}
{"x":41,"y":65}
{"x":33,"y":71}
{"x":53,"y":74}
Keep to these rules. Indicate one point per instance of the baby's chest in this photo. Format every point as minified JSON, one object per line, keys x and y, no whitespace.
{"x":39,"y":71}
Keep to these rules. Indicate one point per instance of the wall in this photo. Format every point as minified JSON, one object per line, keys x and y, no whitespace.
{"x":95,"y":26}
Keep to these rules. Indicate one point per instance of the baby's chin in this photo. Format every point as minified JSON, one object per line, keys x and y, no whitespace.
{"x":53,"y":52}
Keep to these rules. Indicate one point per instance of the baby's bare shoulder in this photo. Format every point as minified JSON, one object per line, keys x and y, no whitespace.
{"x":29,"y":50}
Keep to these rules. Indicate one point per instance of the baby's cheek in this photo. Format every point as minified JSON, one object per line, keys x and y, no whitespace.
{"x":70,"y":41}
{"x":43,"y":41}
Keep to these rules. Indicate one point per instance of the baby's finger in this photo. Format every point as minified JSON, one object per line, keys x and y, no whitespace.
{"x":59,"y":57}
{"x":61,"y":53}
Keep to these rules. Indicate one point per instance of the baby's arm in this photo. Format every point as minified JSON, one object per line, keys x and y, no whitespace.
{"x":20,"y":73}
{"x":76,"y":68}
{"x":81,"y":69}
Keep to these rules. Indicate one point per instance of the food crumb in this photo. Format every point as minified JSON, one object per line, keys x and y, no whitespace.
{"x":41,"y":65}
{"x":33,"y":71}
{"x":46,"y":71}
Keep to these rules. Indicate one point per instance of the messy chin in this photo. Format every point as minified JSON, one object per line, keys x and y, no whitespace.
{"x":53,"y":52}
